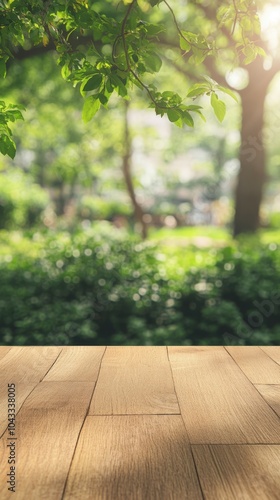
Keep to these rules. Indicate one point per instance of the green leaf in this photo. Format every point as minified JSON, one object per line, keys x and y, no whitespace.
{"x":65,"y":71}
{"x":116,"y":80}
{"x":158,"y":110}
{"x":193,"y":107}
{"x":198,"y":56}
{"x":135,"y":82}
{"x":109,"y":86}
{"x":189,"y":36}
{"x":2,"y":68}
{"x":201,"y":115}
{"x":184,"y":44}
{"x":122,"y":90}
{"x":90,"y":108}
{"x":188,"y":119}
{"x":154,"y":29}
{"x":179,"y":123}
{"x":246,"y":24}
{"x":154,"y":2}
{"x":16,"y":106}
{"x":228,"y":91}
{"x":103,"y":99}
{"x":93,"y":83}
{"x":260,"y":51}
{"x":167,"y":94}
{"x":250,"y":52}
{"x":173,"y":115}
{"x":198,"y":89}
{"x":7,"y":146}
{"x":218,"y":106}
{"x":153,"y":62}
{"x":14,"y":115}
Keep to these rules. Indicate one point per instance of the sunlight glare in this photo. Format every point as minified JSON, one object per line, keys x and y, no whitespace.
{"x":270,"y":20}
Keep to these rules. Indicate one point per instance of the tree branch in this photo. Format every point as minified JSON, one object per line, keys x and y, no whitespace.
{"x":20,"y":53}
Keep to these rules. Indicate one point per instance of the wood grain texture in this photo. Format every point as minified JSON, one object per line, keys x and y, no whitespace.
{"x":238,"y":472}
{"x":22,"y":392}
{"x":273,"y":352}
{"x":257,"y":366}
{"x":3,"y":351}
{"x":271,"y":394}
{"x":218,"y":403}
{"x":133,"y":458}
{"x":47,"y":429}
{"x":79,"y":364}
{"x":27,"y":364}
{"x":24,"y":366}
{"x":134,"y":380}
{"x":64,"y":453}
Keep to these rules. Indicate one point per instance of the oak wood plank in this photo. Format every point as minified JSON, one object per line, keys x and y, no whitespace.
{"x":27,"y":364}
{"x":257,"y":366}
{"x":78,"y":363}
{"x":139,"y":457}
{"x":3,"y":351}
{"x":24,"y":366}
{"x":134,"y":380}
{"x":271,"y":393}
{"x":22,"y":392}
{"x":273,"y":352}
{"x":233,"y":472}
{"x":47,"y":429}
{"x":218,"y":403}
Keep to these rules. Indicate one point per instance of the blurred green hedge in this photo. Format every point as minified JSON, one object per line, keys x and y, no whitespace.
{"x":99,"y":208}
{"x":100,"y":287}
{"x":22,"y":202}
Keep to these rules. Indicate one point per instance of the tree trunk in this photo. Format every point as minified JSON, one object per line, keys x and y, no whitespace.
{"x":252,"y":173}
{"x":138,"y":212}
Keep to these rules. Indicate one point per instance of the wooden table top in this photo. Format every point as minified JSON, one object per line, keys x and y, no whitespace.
{"x":149,"y":423}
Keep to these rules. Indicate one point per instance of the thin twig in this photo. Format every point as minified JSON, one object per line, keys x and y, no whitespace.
{"x":180,"y":31}
{"x":123,"y":32}
{"x":235,"y":19}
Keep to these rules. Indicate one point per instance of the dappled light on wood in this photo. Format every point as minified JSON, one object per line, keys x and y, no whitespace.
{"x":211,"y":433}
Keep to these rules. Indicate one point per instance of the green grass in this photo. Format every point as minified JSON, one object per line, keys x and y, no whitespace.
{"x":187,"y":235}
{"x":178,"y":235}
{"x":189,"y":248}
{"x":268,"y":236}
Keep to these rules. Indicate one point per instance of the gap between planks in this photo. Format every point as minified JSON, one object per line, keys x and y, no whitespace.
{"x":143,"y":457}
{"x":24,"y":366}
{"x":135,"y":380}
{"x":47,"y":427}
{"x":218,"y":403}
{"x":238,"y":471}
{"x":258,"y":367}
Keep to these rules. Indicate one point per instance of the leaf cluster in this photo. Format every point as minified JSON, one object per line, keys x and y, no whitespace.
{"x":113,"y":47}
{"x":8,"y":113}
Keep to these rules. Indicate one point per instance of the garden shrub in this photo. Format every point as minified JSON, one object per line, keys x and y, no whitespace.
{"x":100,"y":287}
{"x":22,"y":202}
{"x":91,"y":207}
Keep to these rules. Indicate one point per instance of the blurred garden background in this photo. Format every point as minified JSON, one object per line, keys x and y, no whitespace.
{"x":129,"y":230}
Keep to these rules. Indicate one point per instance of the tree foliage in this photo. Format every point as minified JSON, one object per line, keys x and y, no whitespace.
{"x":107,"y":47}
